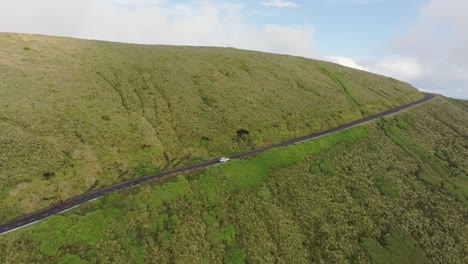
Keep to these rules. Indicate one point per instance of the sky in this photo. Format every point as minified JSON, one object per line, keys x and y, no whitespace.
{"x":422,"y":42}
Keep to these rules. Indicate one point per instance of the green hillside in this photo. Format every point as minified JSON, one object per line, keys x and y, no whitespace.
{"x":392,"y":191}
{"x":77,"y":114}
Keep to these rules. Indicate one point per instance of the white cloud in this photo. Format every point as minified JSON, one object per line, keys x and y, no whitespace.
{"x":278,"y":38}
{"x":256,"y":12}
{"x":431,"y":55}
{"x":437,"y":43}
{"x":207,"y":23}
{"x":399,"y":68}
{"x":356,"y":2}
{"x":408,"y":69}
{"x":279,"y":3}
{"x":348,"y":62}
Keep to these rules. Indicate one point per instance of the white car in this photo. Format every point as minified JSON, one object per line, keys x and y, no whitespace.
{"x":224,"y":159}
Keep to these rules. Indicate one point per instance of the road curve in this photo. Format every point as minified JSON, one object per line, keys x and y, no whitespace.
{"x":42,"y":214}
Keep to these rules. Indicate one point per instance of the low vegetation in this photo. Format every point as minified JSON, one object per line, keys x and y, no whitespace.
{"x":390,"y":191}
{"x":77,"y":115}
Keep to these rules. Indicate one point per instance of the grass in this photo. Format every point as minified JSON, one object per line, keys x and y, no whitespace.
{"x":242,"y":175}
{"x":88,"y":114}
{"x":437,"y":167}
{"x":336,"y":199}
{"x":76,"y":115}
{"x":395,"y":246}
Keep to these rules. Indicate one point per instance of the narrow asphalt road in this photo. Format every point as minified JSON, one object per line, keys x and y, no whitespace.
{"x":42,"y":214}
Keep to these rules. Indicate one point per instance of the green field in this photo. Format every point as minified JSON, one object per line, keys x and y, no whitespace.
{"x":77,"y":115}
{"x":392,"y":191}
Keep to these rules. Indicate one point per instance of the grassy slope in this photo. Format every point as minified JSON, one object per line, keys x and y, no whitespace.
{"x":391,"y":191}
{"x":76,"y":114}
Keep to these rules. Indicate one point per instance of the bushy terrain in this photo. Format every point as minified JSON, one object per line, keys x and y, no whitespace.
{"x":77,"y":115}
{"x":392,"y":191}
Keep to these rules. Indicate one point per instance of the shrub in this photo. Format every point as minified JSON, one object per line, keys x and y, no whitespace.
{"x":388,"y":187}
{"x":234,"y":255}
{"x":327,"y":168}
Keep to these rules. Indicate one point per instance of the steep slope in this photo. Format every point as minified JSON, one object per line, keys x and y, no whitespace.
{"x":76,"y":114}
{"x":392,"y":191}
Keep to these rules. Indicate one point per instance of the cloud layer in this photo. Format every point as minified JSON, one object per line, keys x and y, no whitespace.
{"x":279,"y":3}
{"x":207,"y":23}
{"x":431,"y":54}
{"x":438,"y":42}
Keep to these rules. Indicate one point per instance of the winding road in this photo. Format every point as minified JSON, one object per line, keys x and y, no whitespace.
{"x":42,"y":214}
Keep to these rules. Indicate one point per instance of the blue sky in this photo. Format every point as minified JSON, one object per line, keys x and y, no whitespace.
{"x":353,"y":28}
{"x":422,"y":42}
